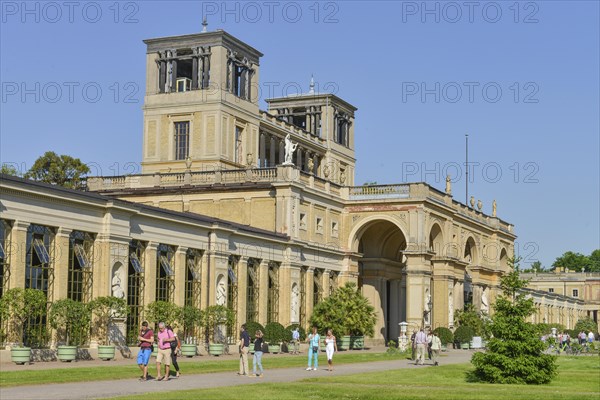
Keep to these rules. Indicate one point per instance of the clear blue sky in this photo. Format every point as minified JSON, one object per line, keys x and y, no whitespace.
{"x":421,"y":79}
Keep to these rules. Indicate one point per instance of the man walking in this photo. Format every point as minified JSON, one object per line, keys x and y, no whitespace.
{"x":296,"y":340}
{"x":146,"y":340}
{"x":244,"y":344}
{"x":164,"y":352}
{"x":421,"y":341}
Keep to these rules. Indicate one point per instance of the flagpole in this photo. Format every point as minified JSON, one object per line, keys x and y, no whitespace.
{"x":466,"y":169}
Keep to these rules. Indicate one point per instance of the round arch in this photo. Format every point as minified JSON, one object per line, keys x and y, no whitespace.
{"x":471,"y":254}
{"x":358,"y":231}
{"x":436,"y":238}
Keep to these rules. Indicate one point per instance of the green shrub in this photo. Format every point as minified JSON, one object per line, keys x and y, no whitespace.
{"x":275,"y":333}
{"x":162,"y":311}
{"x":464,"y":334}
{"x":252,"y":327}
{"x":71,"y":319}
{"x":301,"y":331}
{"x":446,"y":336}
{"x":586,"y":324}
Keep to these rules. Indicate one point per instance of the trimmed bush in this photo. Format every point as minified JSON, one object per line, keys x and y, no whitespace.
{"x":275,"y":333}
{"x":252,"y":327}
{"x":446,"y":336}
{"x":464,"y":334}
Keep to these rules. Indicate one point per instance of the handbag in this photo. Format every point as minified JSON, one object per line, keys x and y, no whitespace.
{"x":315,"y":349}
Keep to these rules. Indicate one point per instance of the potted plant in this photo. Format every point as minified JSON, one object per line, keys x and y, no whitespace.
{"x":161,"y":311}
{"x":463,"y":335}
{"x":446,"y":336}
{"x":106,"y":309}
{"x":275,"y":334}
{"x":189,"y":318}
{"x":348,"y":313}
{"x":71,"y":320}
{"x":19,"y":306}
{"x":215,"y":320}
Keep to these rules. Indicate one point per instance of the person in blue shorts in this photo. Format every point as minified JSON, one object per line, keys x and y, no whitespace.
{"x":146,"y":339}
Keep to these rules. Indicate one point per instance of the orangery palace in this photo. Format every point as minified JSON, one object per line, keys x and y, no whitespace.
{"x":257,"y":210}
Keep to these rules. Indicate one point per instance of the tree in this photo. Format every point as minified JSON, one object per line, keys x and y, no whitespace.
{"x":58,"y":170}
{"x":594,"y":265}
{"x":586,"y":324}
{"x":573,"y":261}
{"x":71,"y":319}
{"x":515,"y":352}
{"x":163,"y":311}
{"x":20,"y":306}
{"x":8,"y":169}
{"x":106,"y":309}
{"x":471,"y":318}
{"x":536,"y":266}
{"x":346,"y":312}
{"x":190,"y":318}
{"x":215,"y":319}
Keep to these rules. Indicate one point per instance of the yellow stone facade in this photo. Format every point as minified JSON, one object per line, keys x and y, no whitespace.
{"x":273,"y":237}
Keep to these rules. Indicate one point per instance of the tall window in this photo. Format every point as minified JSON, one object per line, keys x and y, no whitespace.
{"x":182,"y":140}
{"x":193,"y":280}
{"x":135,"y":289}
{"x":303,"y":297}
{"x":81,"y":247}
{"x":232,"y":290}
{"x":39,"y":274}
{"x":273,"y":294}
{"x":165,"y":272}
{"x":317,"y":287}
{"x":252,"y":292}
{"x":333,"y":281}
{"x":5,"y":229}
{"x":238,"y":155}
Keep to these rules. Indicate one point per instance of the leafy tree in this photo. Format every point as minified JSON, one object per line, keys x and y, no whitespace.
{"x":536,"y":266}
{"x":58,"y":170}
{"x":594,"y":265}
{"x":446,"y":336}
{"x":106,"y":309}
{"x":346,"y":312}
{"x":20,"y":306}
{"x":275,"y":333}
{"x":471,"y":318}
{"x":213,"y":319}
{"x":190,"y":318}
{"x":573,"y":261}
{"x":464,"y":334}
{"x":163,"y":311}
{"x":71,"y":319}
{"x":586,"y":324}
{"x":515,"y":353}
{"x":8,"y":169}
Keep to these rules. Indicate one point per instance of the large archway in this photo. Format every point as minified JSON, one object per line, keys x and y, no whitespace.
{"x":381,"y":243}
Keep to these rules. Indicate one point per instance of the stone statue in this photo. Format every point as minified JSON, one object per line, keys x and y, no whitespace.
{"x":479,"y":205}
{"x":448,"y":185}
{"x":311,"y":165}
{"x":472,"y":201}
{"x":494,"y":208}
{"x":221,"y":292}
{"x":342,"y":177}
{"x":427,"y":301}
{"x":451,"y":308}
{"x":290,"y":147}
{"x":484,"y":301}
{"x":295,"y":303}
{"x":188,"y":163}
{"x":117,"y":290}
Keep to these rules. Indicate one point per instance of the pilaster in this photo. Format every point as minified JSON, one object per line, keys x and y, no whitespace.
{"x":61,"y":263}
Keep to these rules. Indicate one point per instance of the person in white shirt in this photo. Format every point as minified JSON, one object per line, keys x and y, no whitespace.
{"x":591,"y":338}
{"x":436,"y":347}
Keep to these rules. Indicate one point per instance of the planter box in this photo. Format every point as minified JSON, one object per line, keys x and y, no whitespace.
{"x":106,"y":352}
{"x":343,"y":343}
{"x":464,"y":346}
{"x":67,"y":353}
{"x":188,"y":350}
{"x":357,"y":342}
{"x":444,"y":347}
{"x":216,"y":349}
{"x":274,"y":348}
{"x":20,"y":355}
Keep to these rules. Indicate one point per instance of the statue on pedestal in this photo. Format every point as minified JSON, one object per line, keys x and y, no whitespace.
{"x":448,"y":185}
{"x":290,"y":147}
{"x":494,"y":208}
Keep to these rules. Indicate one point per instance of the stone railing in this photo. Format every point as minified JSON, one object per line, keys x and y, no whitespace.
{"x":376,"y":192}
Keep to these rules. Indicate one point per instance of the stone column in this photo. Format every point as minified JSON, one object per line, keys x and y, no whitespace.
{"x":262,"y":150}
{"x":272,"y":145}
{"x":61,"y":263}
{"x":375,"y":289}
{"x":263,"y":293}
{"x":395,"y":305}
{"x":150,"y":272}
{"x":242,"y":290}
{"x":18,"y":254}
{"x":180,"y":268}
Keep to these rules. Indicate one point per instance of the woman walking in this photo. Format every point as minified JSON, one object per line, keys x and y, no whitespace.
{"x":257,"y":360}
{"x":175,"y":348}
{"x":313,"y":349}
{"x":330,"y":348}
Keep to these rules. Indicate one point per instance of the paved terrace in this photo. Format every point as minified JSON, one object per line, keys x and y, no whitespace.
{"x":124,"y":387}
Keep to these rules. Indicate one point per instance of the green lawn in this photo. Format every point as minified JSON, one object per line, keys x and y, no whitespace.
{"x":108,"y":372}
{"x":579,"y":378}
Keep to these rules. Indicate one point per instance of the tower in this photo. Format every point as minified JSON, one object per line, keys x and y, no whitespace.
{"x":201,"y":103}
